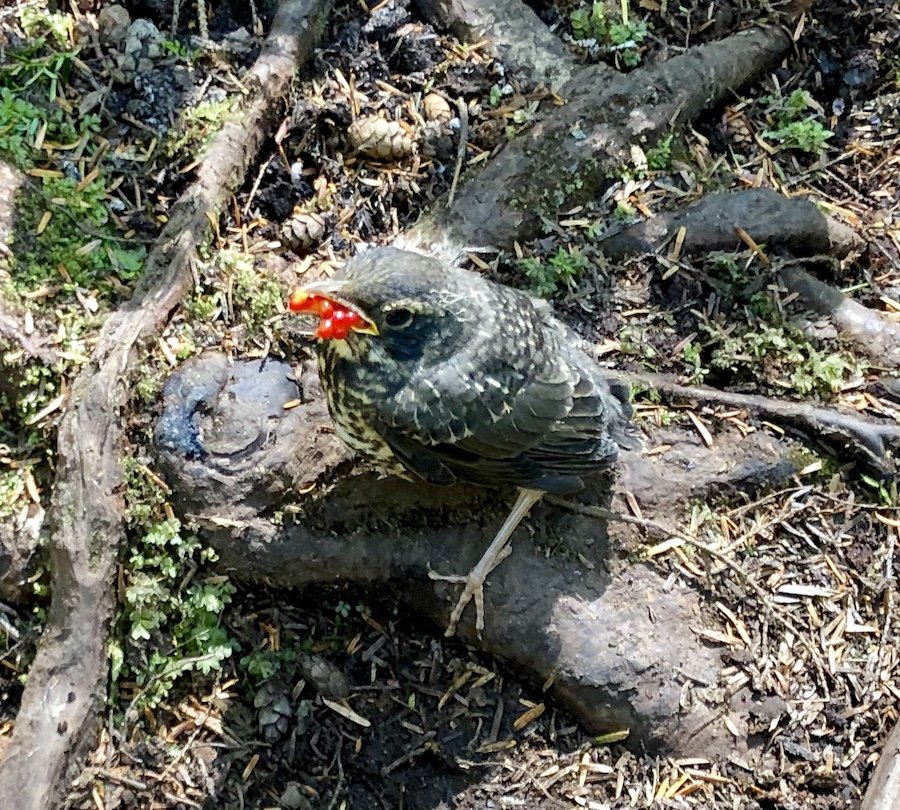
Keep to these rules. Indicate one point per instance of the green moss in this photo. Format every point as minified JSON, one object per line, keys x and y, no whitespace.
{"x":257,"y":295}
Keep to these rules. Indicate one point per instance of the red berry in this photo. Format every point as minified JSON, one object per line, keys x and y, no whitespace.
{"x":326,"y":329}
{"x":353,"y":317}
{"x":326,"y":309}
{"x":340,"y":316}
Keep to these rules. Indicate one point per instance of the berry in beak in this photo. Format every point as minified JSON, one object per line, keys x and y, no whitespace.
{"x":337,"y":317}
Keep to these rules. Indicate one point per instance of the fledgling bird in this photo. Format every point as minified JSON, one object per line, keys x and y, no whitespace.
{"x":434,"y":372}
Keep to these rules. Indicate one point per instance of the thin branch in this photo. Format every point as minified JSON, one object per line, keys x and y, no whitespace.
{"x":870,"y":440}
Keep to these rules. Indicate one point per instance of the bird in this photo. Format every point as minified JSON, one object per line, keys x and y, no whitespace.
{"x":434,"y":372}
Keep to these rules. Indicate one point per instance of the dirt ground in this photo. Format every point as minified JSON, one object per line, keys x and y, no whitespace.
{"x":433,"y":724}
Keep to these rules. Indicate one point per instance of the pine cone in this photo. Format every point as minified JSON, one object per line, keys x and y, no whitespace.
{"x":302,"y":231}
{"x":380,"y":138}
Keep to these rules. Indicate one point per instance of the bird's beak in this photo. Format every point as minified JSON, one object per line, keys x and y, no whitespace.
{"x":324,"y":298}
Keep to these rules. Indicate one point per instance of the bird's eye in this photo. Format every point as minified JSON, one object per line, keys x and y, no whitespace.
{"x":398,"y":318}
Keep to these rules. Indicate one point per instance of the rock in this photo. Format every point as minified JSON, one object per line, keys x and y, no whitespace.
{"x":143,"y":38}
{"x":113,"y":22}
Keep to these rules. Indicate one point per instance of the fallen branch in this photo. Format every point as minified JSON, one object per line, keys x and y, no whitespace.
{"x":66,"y":682}
{"x":868,"y":440}
{"x":883,"y":792}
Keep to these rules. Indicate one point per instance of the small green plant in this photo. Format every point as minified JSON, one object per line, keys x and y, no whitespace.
{"x":170,"y":623}
{"x":564,"y":267}
{"x":181,"y":620}
{"x":179,"y":50}
{"x":622,"y":38}
{"x":795,"y":127}
{"x":12,"y":487}
{"x":196,"y":127}
{"x":38,"y":22}
{"x":660,"y":156}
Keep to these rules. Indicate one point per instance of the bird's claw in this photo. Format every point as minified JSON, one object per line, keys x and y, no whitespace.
{"x":473,"y":590}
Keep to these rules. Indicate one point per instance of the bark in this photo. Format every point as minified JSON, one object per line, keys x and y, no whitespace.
{"x":514,"y":33}
{"x":613,"y":634}
{"x":66,"y":683}
{"x":565,"y":159}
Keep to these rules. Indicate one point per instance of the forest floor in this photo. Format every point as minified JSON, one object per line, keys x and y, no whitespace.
{"x":214,"y":699}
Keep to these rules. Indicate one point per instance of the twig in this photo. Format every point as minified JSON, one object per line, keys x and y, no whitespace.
{"x":463,"y":110}
{"x":869,"y":438}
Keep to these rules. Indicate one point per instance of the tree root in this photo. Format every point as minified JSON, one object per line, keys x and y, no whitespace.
{"x":516,"y":35}
{"x":796,"y":225}
{"x":566,"y":157}
{"x":871,"y":333}
{"x":66,"y":683}
{"x":627,"y":672}
{"x":883,"y":792}
{"x":766,"y":217}
{"x":867,"y":441}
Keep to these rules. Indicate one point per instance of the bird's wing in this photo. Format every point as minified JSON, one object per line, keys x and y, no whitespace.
{"x":543,"y":436}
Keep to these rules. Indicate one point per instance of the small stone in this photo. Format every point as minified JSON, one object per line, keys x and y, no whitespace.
{"x":142,"y":33}
{"x":113,"y":22}
{"x":293,"y":798}
{"x":123,"y":69}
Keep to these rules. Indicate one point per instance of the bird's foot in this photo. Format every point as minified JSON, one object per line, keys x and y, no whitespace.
{"x":473,"y":590}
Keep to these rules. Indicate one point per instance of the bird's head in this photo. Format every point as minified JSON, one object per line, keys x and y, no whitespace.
{"x":397,"y":302}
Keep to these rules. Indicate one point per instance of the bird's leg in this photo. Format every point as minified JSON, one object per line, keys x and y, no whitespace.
{"x":496,"y":552}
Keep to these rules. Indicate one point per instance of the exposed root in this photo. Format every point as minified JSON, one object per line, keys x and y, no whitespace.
{"x":67,"y":681}
{"x":796,"y":225}
{"x":565,"y":159}
{"x":513,"y":32}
